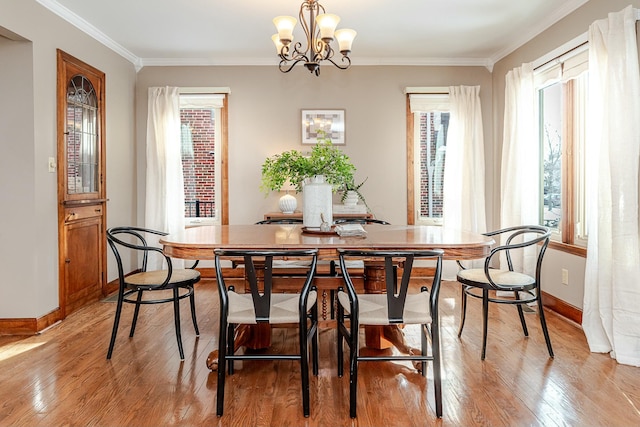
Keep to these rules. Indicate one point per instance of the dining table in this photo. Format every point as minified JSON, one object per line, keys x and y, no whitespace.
{"x":199,"y":243}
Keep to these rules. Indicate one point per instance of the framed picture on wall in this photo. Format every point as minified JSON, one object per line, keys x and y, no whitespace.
{"x":315,"y":122}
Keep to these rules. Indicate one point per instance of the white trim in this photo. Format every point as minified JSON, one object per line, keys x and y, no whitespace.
{"x":426,"y":89}
{"x":561,"y":51}
{"x":204,"y":90}
{"x":567,"y":7}
{"x":92,"y":31}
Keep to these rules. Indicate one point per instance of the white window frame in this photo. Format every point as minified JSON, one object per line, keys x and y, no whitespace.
{"x":424,"y":100}
{"x":208,"y":98}
{"x":562,"y":68}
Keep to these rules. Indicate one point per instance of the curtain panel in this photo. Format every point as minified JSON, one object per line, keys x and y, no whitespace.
{"x":464,"y":172}
{"x":611,"y":311}
{"x":164,"y":202}
{"x":520,"y":176}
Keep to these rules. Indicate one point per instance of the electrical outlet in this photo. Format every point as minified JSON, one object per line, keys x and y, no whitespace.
{"x":565,"y":276}
{"x":52,"y":164}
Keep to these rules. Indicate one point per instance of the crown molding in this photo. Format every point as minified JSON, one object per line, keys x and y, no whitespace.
{"x":565,"y":9}
{"x":89,"y":29}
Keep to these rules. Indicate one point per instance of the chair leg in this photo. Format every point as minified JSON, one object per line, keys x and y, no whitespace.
{"x":485,"y":320}
{"x":314,"y":340}
{"x":424,"y":342}
{"x":231,"y":347}
{"x":437,"y":374}
{"x":222,"y":360}
{"x":176,"y":318}
{"x":192,"y":300}
{"x":463,"y":310}
{"x":116,"y":322}
{"x":340,"y":339}
{"x":353,"y":365}
{"x":521,"y":315}
{"x":304,"y":364}
{"x":543,"y":323}
{"x":136,"y":311}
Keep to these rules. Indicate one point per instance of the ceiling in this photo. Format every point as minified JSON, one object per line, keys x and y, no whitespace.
{"x":238,"y":32}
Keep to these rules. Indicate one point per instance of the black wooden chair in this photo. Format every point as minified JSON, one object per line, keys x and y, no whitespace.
{"x":133,"y":287}
{"x":394,"y":306}
{"x":262,"y":305}
{"x":525,"y":288}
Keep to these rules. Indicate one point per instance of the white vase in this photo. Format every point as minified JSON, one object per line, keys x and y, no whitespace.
{"x":287,"y":203}
{"x":317,"y":202}
{"x":351,"y":199}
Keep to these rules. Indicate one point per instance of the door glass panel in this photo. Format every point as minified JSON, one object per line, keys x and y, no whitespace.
{"x":82,"y":137}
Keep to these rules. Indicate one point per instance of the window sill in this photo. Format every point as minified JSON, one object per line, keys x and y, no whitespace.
{"x":570,"y":249}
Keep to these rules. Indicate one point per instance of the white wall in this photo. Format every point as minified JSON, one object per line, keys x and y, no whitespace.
{"x":28,"y":192}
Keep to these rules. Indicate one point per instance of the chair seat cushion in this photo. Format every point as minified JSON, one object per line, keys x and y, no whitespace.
{"x":157,"y":277}
{"x":284,"y":308}
{"x":372,"y":308}
{"x":503,"y":278}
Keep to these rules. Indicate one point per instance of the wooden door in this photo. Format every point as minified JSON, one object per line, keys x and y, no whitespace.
{"x":81,"y":184}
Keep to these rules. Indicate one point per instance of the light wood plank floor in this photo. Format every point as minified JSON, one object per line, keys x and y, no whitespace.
{"x":62,"y":377}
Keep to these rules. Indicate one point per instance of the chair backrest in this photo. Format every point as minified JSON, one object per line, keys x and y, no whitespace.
{"x":262,"y":260}
{"x":281,"y":221}
{"x":134,"y":238}
{"x":396,"y":292}
{"x":514,"y":239}
{"x":360,"y":221}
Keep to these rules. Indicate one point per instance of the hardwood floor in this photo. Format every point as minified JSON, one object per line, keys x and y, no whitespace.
{"x":62,"y":377}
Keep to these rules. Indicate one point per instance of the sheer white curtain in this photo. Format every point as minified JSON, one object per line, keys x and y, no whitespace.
{"x":519,"y":204}
{"x":164,"y":204}
{"x":464,"y":198}
{"x":611,"y":312}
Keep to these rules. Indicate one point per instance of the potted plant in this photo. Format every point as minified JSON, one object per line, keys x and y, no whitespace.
{"x":351,"y":193}
{"x":294,"y":166}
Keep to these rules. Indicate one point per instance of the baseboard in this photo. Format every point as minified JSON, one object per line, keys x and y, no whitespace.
{"x":562,"y":308}
{"x":29,"y":326}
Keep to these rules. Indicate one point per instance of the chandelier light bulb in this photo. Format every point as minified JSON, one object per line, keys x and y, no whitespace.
{"x":345,"y":40}
{"x":327,"y":23}
{"x":285,"y":25}
{"x":278,"y":43}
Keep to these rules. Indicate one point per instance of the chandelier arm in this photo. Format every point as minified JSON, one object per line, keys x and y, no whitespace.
{"x":283,"y":65}
{"x":344,"y":59}
{"x":308,"y":5}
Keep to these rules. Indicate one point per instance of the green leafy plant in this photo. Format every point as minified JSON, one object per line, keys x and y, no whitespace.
{"x":295,"y":167}
{"x":352,"y":186}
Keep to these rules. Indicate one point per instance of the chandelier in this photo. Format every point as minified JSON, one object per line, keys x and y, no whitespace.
{"x":320,"y":31}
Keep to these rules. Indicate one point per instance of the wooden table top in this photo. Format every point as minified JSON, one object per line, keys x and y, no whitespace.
{"x":199,"y":242}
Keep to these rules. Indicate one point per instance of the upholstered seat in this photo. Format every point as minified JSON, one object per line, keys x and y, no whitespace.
{"x":283,"y":309}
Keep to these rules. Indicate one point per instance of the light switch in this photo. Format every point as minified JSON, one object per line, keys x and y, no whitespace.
{"x":52,"y":164}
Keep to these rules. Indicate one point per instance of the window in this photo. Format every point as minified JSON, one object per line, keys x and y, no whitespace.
{"x":562,"y":95}
{"x":428,"y":126}
{"x":202,"y":118}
